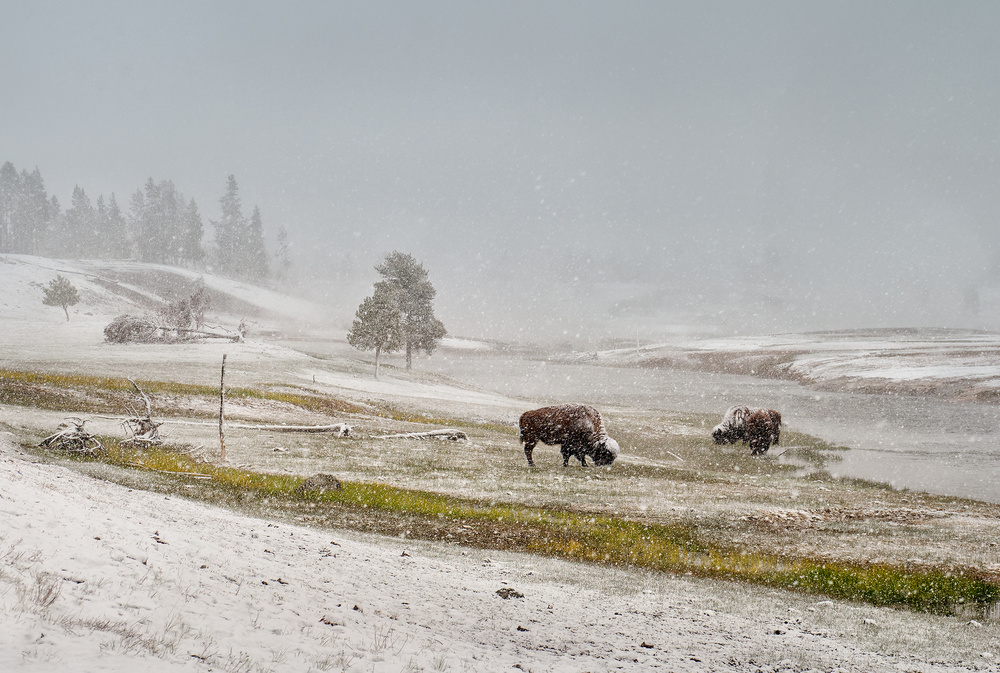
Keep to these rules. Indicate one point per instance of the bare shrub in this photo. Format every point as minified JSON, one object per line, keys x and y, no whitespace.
{"x":186,"y":312}
{"x":43,"y":592}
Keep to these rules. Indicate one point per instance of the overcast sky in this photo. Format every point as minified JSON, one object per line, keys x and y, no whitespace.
{"x":763,"y":166}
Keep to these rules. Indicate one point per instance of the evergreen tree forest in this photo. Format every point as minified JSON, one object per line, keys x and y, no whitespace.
{"x":158,"y":225}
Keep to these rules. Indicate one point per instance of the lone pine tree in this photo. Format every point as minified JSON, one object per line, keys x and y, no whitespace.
{"x":378,"y":325}
{"x":405,"y":280}
{"x":60,"y":292}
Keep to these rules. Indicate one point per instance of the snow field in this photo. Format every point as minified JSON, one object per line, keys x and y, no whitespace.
{"x":99,"y":577}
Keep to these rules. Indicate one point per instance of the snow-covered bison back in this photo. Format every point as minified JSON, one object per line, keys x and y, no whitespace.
{"x":761,"y":432}
{"x":577,"y":428}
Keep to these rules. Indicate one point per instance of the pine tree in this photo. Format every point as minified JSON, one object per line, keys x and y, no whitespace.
{"x":282,"y":257}
{"x":53,"y":232}
{"x":137,"y":222}
{"x":101,"y":224}
{"x":406,"y":281}
{"x":34,"y":214}
{"x":79,"y":226}
{"x":378,"y":324}
{"x":170,"y":219}
{"x":164,"y":229}
{"x":150,"y":241}
{"x":116,"y":233}
{"x":255,"y":255}
{"x":10,"y":191}
{"x":230,"y":229}
{"x":60,"y":292}
{"x":193,"y":232}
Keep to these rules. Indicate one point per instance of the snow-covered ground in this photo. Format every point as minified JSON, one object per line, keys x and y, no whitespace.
{"x":98,"y":577}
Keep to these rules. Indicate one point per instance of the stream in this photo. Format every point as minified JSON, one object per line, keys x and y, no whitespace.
{"x":919,"y":443}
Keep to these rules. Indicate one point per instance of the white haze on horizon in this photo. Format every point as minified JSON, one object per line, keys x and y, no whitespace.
{"x":560,"y":168}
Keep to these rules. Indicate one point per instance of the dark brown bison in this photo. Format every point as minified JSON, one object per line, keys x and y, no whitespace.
{"x":577,"y":428}
{"x":760,"y":434}
{"x":763,"y":429}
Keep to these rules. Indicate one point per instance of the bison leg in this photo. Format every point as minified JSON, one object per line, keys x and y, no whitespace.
{"x":569,"y":449}
{"x":528,"y":448}
{"x":573,"y":449}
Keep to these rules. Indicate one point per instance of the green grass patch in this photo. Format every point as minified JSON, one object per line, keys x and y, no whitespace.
{"x":551,"y":531}
{"x":101,"y":394}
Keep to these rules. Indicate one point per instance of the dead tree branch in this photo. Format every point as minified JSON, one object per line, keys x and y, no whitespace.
{"x":448,"y":433}
{"x":72,"y":438}
{"x":141,"y":430}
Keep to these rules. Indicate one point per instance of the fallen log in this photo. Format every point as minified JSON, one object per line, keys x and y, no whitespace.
{"x":447,"y":433}
{"x":339,"y":429}
{"x":133,"y":329}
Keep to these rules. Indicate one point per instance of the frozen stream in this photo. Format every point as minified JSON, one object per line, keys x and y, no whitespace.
{"x":920,"y":443}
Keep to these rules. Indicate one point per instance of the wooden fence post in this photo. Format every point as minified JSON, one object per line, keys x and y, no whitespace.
{"x":222,"y":411}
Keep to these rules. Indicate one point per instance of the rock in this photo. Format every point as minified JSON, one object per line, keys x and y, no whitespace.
{"x":508,"y":593}
{"x":324,"y":483}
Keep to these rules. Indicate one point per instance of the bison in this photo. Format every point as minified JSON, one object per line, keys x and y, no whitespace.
{"x":760,"y":433}
{"x":577,"y":428}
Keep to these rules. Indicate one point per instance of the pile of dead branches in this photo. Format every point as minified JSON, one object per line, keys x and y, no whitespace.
{"x":139,"y":426}
{"x":72,"y":438}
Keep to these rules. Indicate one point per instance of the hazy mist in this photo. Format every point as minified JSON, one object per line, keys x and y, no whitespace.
{"x":561,"y":168}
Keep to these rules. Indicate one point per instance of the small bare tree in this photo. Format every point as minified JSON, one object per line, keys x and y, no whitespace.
{"x":60,"y":292}
{"x":187,"y":312}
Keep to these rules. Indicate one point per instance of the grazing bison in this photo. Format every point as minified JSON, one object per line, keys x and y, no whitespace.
{"x":763,"y":431}
{"x":578,"y":428}
{"x":733,"y":426}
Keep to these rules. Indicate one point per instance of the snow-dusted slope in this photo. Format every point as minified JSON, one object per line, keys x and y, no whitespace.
{"x":110,"y":288}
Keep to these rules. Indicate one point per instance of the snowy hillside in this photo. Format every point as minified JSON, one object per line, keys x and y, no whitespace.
{"x":111,"y":288}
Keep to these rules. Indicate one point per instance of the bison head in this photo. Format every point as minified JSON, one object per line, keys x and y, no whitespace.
{"x":726,"y":434}
{"x":606,"y":452}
